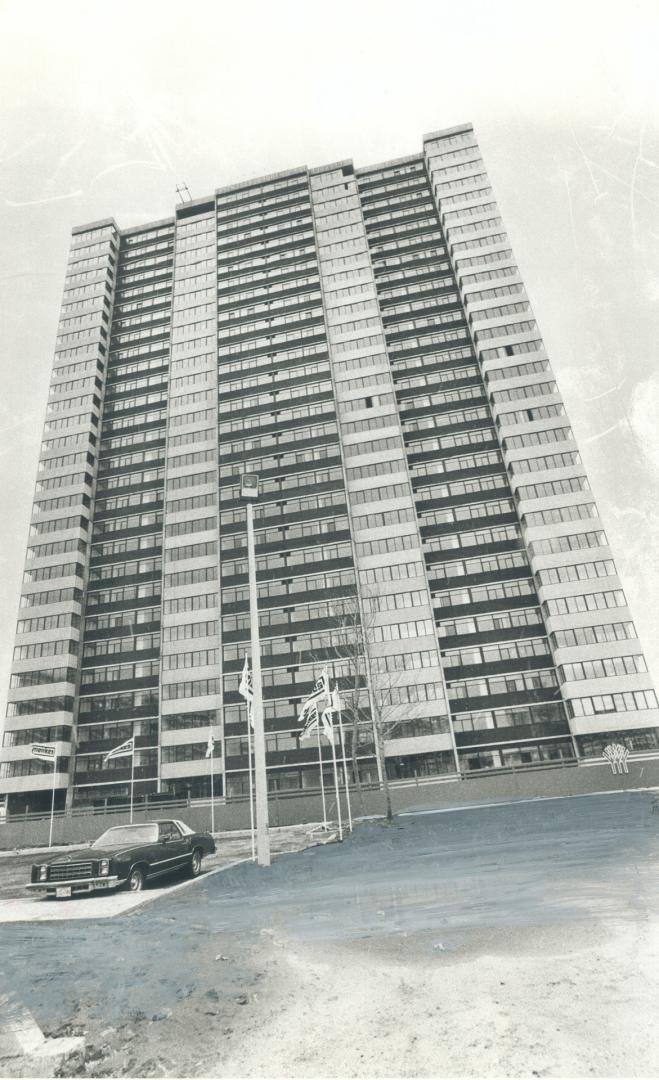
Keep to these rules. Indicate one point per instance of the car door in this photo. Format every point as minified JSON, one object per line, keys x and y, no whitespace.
{"x":174,"y":848}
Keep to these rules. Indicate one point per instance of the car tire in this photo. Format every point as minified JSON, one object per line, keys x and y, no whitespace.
{"x":195,"y":862}
{"x":136,"y":879}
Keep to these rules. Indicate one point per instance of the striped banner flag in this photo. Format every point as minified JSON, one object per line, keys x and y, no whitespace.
{"x":309,"y":715}
{"x":125,"y":750}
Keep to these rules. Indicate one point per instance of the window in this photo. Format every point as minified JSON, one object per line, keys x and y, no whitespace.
{"x":537,"y":412}
{"x":558,"y":514}
{"x":604,"y":668}
{"x":393,"y":601}
{"x":198,"y":602}
{"x":483,"y":624}
{"x":590,"y":635}
{"x":629,"y":701}
{"x":565,"y":605}
{"x":535,"y":438}
{"x":576,"y":572}
{"x":571,"y":542}
{"x":190,"y":577}
{"x":638,"y":741}
{"x":377,"y":494}
{"x":505,"y":590}
{"x":198,"y":658}
{"x":181,"y":721}
{"x":196,"y":688}
{"x":517,"y":716}
{"x":520,"y":682}
{"x":393,"y":572}
{"x":553,"y":487}
{"x":490,"y":654}
{"x":389,"y":517}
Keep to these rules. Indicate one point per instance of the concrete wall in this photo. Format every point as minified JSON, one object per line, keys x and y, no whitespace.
{"x":531,"y":784}
{"x":525,"y":784}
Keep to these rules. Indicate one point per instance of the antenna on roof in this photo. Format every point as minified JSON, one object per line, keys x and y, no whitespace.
{"x":183,"y":192}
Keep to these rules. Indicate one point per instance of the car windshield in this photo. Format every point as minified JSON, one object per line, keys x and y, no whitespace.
{"x":121,"y":835}
{"x":185,"y":829}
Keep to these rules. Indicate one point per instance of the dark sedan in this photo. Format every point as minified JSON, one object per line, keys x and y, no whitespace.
{"x":124,"y":855}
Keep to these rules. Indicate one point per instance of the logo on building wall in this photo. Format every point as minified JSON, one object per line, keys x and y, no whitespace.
{"x":616,"y":754}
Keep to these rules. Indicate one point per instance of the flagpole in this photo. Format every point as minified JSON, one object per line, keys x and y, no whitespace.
{"x":322,"y":782}
{"x":336,"y":787}
{"x":249,"y":490}
{"x":211,"y":742}
{"x":132,"y":779}
{"x":251,"y":784}
{"x":345,"y":768}
{"x":52,"y":802}
{"x":246,"y":690}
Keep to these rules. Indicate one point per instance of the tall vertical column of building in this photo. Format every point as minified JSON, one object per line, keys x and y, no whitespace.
{"x":501,"y":683}
{"x":602,"y":672}
{"x":406,"y":688}
{"x":121,"y":642}
{"x":191,"y":679}
{"x":45,"y":673}
{"x":278,"y":419}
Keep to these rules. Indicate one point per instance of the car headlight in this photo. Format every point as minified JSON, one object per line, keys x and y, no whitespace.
{"x":104,"y":867}
{"x":43,"y":873}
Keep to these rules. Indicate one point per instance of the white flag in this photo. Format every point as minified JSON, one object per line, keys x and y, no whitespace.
{"x":210,"y":747}
{"x":308,"y":717}
{"x":321,"y":689}
{"x":125,"y":750}
{"x":246,"y":690}
{"x":329,"y":713}
{"x":336,"y":703}
{"x":328,"y":726}
{"x":309,"y":712}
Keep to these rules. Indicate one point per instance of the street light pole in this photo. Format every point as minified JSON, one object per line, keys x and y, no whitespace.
{"x":249,"y":490}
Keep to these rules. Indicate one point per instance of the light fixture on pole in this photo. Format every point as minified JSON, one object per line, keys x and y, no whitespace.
{"x":249,"y":491}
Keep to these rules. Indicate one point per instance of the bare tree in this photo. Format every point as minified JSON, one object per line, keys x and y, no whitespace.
{"x":347,"y":649}
{"x":368,"y":698}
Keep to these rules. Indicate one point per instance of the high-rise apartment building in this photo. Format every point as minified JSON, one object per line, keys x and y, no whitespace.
{"x":362,"y":340}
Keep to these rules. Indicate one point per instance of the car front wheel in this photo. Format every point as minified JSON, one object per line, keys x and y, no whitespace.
{"x":135,"y":882}
{"x":195,"y":862}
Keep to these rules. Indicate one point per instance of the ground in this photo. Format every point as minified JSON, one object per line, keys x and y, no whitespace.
{"x":510,"y":940}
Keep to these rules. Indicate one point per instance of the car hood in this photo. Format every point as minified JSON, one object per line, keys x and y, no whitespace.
{"x":89,"y":852}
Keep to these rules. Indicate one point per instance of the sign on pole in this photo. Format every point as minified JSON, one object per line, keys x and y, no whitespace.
{"x":48,"y":752}
{"x":44,"y":752}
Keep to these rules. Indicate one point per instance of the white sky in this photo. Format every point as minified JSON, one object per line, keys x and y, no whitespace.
{"x":106,"y":107}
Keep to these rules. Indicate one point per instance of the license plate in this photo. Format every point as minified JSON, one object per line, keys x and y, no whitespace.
{"x":62,"y":891}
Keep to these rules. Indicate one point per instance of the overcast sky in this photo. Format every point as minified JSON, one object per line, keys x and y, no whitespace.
{"x":106,"y":108}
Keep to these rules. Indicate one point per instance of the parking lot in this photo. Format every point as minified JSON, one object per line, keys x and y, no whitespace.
{"x":17,"y":905}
